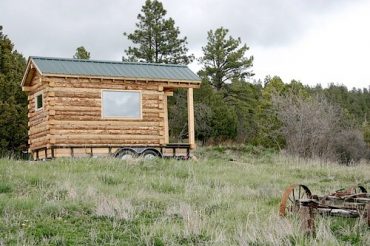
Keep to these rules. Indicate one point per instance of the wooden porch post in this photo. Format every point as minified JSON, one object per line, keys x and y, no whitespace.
{"x":191,"y":131}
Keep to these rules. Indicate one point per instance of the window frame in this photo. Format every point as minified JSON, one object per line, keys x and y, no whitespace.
{"x":121,"y":117}
{"x":40,"y":93}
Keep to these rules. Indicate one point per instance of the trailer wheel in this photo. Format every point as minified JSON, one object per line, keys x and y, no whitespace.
{"x":126,"y":154}
{"x":150,"y":154}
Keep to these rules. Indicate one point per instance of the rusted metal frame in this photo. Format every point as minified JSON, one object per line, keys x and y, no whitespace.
{"x":355,"y":203}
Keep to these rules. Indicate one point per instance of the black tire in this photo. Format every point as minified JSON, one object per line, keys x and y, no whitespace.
{"x":126,"y":154}
{"x":150,"y":154}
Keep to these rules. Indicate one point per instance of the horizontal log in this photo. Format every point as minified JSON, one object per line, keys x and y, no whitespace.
{"x":76,"y":108}
{"x":153,"y":115}
{"x":96,"y":113}
{"x":49,"y":93}
{"x":144,"y":91}
{"x":107,"y":127}
{"x":103,"y":123}
{"x":78,"y":94}
{"x":77,"y":102}
{"x":35,"y":141}
{"x":118,"y":142}
{"x":34,"y":86}
{"x":36,"y":130}
{"x":106,"y":137}
{"x":89,"y":94}
{"x":146,"y":117}
{"x":37,"y":115}
{"x":105,"y":132}
{"x":36,"y":122}
{"x":145,"y":98}
{"x":107,"y":85}
{"x":38,"y":135}
{"x":41,"y":126}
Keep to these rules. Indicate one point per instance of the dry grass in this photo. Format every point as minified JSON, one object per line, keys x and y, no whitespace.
{"x":212,"y":201}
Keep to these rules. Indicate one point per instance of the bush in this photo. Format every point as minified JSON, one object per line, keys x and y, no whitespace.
{"x":312,"y":127}
{"x":350,"y":146}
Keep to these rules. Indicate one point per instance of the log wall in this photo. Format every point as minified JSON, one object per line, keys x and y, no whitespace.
{"x":72,"y":115}
{"x":38,"y":119}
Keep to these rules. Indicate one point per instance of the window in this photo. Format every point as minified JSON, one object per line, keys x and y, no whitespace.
{"x":39,"y":101}
{"x":121,"y":104}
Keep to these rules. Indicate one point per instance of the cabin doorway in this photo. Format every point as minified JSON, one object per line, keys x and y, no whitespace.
{"x":177,"y":107}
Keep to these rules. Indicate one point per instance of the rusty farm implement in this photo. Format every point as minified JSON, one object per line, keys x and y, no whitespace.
{"x":353,"y":202}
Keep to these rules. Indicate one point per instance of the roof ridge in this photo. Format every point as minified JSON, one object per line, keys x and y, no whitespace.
{"x":106,"y":61}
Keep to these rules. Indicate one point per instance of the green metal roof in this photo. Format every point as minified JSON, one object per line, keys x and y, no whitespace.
{"x":64,"y":66}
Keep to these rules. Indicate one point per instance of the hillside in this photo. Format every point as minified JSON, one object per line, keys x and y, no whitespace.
{"x":167,"y":202}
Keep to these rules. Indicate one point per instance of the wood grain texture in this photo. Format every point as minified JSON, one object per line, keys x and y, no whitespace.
{"x":191,"y":128}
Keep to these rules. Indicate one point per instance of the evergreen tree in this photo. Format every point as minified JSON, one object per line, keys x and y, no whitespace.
{"x":81,"y":53}
{"x":224,"y":58}
{"x":214,"y":119}
{"x":269,"y":134}
{"x":244,"y":98}
{"x":157,"y":38}
{"x":13,"y":102}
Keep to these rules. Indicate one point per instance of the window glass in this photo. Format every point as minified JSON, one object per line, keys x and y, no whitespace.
{"x":125,"y":104}
{"x":39,"y":102}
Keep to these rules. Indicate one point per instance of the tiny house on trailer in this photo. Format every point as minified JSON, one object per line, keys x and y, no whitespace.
{"x":79,"y":108}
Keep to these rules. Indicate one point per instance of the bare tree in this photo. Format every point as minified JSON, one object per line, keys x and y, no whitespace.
{"x":313,"y":127}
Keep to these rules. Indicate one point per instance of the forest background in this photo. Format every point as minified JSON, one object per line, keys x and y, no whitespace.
{"x":230,"y":107}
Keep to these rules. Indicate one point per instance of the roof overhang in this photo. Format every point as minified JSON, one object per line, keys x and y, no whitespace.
{"x":31,"y":69}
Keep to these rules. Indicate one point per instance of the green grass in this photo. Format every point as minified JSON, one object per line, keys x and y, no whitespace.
{"x":229,"y":196}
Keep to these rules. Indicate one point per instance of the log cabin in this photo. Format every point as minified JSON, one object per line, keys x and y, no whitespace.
{"x":79,"y":108}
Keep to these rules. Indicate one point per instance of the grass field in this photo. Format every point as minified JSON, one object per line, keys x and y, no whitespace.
{"x":211,"y":201}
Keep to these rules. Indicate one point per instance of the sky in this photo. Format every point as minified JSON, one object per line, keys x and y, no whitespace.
{"x":313,"y":41}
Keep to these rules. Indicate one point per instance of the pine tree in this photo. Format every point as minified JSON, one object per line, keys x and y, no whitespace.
{"x":224,"y":58}
{"x":157,"y":38}
{"x":13,"y":102}
{"x":81,"y":53}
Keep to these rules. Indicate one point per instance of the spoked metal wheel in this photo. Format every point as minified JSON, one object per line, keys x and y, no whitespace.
{"x":150,"y":154}
{"x":126,"y":154}
{"x":290,"y":200}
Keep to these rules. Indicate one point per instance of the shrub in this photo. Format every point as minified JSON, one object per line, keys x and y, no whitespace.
{"x":350,"y":146}
{"x":313,"y":127}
